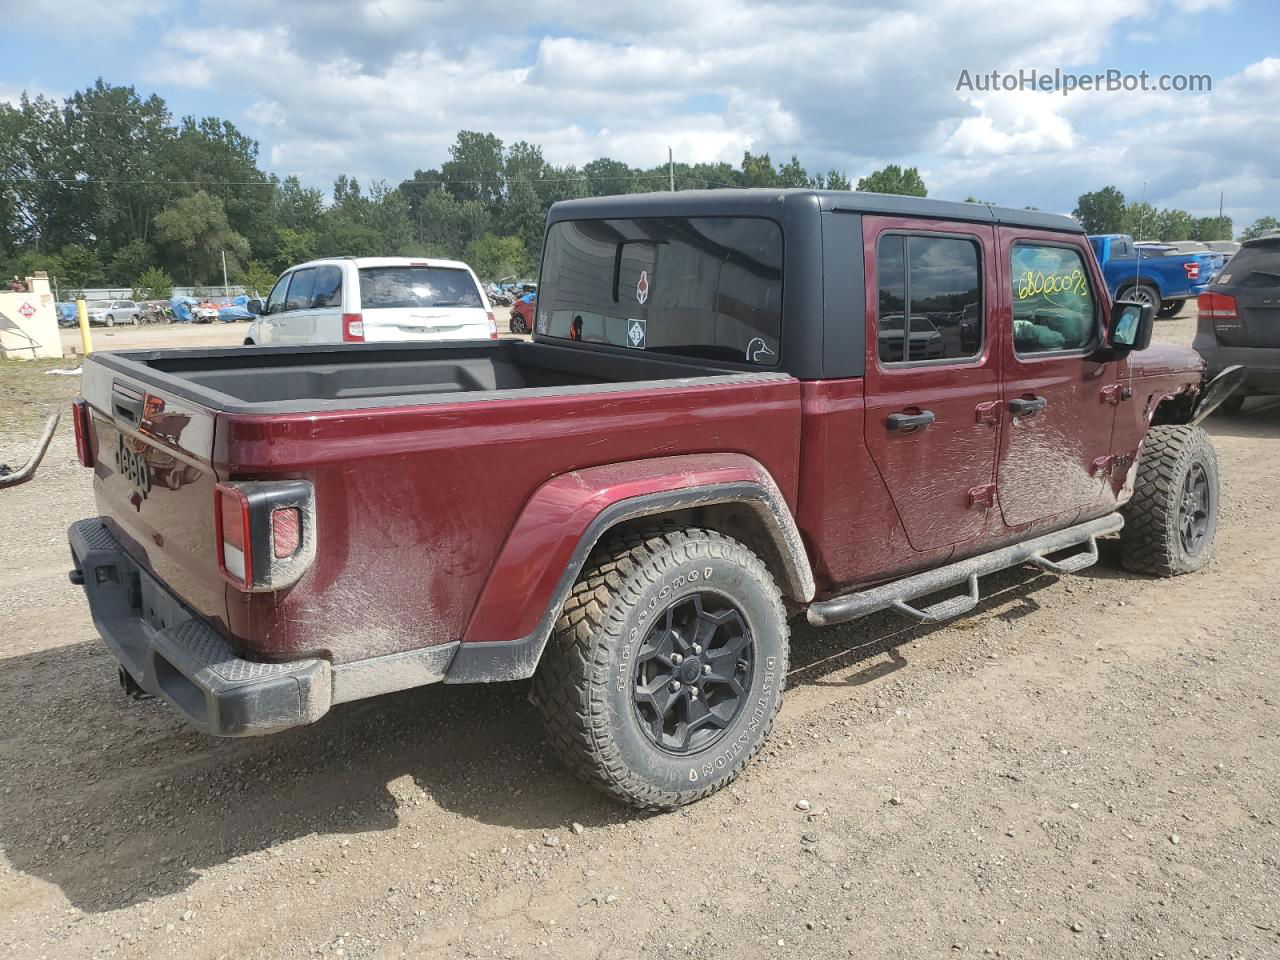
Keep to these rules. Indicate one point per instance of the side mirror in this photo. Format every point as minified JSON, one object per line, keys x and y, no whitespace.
{"x":1131,"y":326}
{"x":254,"y":306}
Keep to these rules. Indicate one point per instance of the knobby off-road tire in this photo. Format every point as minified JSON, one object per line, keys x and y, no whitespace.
{"x":639,"y":594}
{"x":1170,"y":523}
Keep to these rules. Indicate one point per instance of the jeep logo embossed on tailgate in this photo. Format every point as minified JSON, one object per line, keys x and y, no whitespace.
{"x":134,"y":467}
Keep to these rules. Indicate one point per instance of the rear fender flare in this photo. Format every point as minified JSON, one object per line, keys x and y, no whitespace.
{"x":568,"y":515}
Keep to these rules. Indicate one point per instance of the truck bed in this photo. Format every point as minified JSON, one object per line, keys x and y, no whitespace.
{"x":315,"y":378}
{"x":421,"y":457}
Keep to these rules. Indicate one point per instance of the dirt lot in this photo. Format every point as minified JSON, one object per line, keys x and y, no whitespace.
{"x":1085,"y":768}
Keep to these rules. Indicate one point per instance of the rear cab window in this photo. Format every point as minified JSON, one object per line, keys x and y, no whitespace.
{"x":417,"y":286}
{"x":706,"y":288}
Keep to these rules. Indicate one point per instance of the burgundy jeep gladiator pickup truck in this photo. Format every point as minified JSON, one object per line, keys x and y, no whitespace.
{"x":736,"y":407}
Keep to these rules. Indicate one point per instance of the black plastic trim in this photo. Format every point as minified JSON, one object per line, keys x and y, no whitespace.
{"x":486,"y":661}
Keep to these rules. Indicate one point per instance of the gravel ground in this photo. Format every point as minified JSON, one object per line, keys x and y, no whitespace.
{"x":1083,"y":768}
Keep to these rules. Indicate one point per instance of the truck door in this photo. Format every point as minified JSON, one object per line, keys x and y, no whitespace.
{"x":932,"y":373}
{"x":1060,"y":393}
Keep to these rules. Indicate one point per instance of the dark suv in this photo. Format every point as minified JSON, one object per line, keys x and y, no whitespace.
{"x":1240,"y":319}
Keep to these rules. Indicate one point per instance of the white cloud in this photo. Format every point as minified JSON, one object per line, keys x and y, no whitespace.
{"x":378,"y":88}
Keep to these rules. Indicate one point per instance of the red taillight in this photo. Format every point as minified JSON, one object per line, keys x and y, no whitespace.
{"x":231,"y":512}
{"x":352,"y":328}
{"x":80,"y":420}
{"x":1221,"y":309}
{"x":286,"y":532}
{"x":493,"y":325}
{"x":1193,"y":270}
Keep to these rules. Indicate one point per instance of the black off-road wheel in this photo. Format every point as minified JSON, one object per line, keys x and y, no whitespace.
{"x":1171,"y":521}
{"x":665,"y":669}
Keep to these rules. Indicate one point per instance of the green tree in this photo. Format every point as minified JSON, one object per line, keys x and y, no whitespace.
{"x":256,"y":279}
{"x":757,"y":170}
{"x":129,"y":261}
{"x":1141,"y":221}
{"x":476,"y":168}
{"x":1212,"y":228}
{"x":834,"y":180}
{"x":1259,"y":227}
{"x":293,"y":247}
{"x":792,"y":174}
{"x":495,"y":257}
{"x":153,"y":284}
{"x":905,"y":182}
{"x":1101,"y":211}
{"x":606,"y":178}
{"x":197,"y":234}
{"x":1175,"y":225}
{"x":80,"y":267}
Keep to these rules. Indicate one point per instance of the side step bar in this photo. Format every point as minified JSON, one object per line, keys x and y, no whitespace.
{"x":896,"y":595}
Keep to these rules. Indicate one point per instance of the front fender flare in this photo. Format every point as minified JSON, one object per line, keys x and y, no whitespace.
{"x":566,"y":517}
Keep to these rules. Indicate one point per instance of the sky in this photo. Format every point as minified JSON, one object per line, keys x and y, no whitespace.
{"x":379,"y":88}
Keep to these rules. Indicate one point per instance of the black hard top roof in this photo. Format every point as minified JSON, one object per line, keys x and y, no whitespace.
{"x":767,"y":202}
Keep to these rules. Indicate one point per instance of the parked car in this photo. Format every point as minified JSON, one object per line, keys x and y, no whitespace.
{"x":374,"y":299}
{"x":1158,"y":275}
{"x":1239,"y":320}
{"x":110,"y":312}
{"x":206,"y":311}
{"x":701,"y":440}
{"x":1228,"y":248}
{"x":522,"y":313}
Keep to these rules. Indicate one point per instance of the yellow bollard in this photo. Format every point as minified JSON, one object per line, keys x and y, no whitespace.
{"x":82,"y":314}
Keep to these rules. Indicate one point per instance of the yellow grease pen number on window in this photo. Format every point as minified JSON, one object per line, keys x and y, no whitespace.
{"x":1047,"y":285}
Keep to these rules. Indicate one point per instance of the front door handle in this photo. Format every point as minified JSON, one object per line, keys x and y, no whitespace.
{"x":907,"y":422}
{"x":1027,"y":406}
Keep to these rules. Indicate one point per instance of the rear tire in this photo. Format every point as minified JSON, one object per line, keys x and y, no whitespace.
{"x":1171,"y":521}
{"x":110,"y":321}
{"x":248,"y":342}
{"x":623,"y":707}
{"x":517,"y":324}
{"x":1142,"y":294}
{"x":1170,"y":309}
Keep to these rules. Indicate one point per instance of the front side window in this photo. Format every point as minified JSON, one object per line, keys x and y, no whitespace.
{"x":929,"y":298}
{"x":708,"y":288}
{"x":300,"y":289}
{"x":1053,"y":306}
{"x":275,"y":302}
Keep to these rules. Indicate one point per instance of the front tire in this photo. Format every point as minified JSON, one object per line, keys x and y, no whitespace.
{"x":517,"y":324}
{"x":1171,"y":521}
{"x":665,"y":669}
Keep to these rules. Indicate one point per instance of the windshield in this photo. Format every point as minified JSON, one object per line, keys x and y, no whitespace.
{"x":99,"y":304}
{"x":417,"y":286}
{"x":704,"y":287}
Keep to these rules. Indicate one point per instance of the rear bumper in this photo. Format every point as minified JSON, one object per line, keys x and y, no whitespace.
{"x":174,"y":654}
{"x":1261,"y":364}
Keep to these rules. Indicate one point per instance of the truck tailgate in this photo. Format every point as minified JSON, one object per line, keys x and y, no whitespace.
{"x":154,"y":480}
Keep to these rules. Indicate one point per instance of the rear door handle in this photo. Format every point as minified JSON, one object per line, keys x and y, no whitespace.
{"x":907,"y":422}
{"x":1027,"y":406}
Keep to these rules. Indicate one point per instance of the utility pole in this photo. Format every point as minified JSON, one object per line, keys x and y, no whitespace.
{"x":671,"y":169}
{"x":225,"y":288}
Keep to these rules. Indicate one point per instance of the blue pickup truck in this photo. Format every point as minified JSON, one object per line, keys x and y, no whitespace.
{"x":1159,"y":275}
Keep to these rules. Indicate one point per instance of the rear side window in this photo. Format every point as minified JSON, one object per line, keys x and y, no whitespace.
{"x":300,"y":288}
{"x":702,"y":287}
{"x":417,"y":286}
{"x":929,"y":299}
{"x":1053,"y":305}
{"x":327,"y":291}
